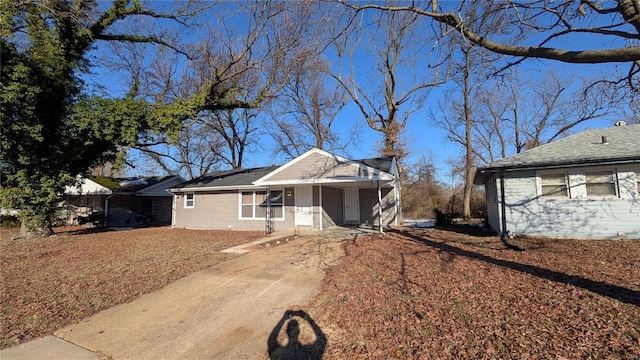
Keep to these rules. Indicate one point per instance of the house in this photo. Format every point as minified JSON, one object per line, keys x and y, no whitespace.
{"x":583,"y":186}
{"x":122,"y":201}
{"x":316,"y":190}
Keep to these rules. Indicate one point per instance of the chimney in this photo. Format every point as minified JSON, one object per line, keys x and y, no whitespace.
{"x":604,"y":140}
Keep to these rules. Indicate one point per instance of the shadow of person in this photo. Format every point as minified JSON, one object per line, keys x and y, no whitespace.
{"x":294,"y":348}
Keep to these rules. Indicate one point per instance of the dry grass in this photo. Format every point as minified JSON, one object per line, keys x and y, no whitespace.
{"x":49,"y":283}
{"x":449,"y":295}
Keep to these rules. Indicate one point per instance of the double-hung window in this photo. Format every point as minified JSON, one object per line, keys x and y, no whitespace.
{"x":601,"y":183}
{"x":255,"y":204}
{"x":189,"y":200}
{"x":554,"y":185}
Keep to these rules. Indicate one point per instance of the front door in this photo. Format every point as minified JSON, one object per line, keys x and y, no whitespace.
{"x":304,"y":206}
{"x":351,"y":205}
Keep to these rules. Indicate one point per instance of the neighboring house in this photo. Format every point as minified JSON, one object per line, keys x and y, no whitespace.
{"x":316,"y":190}
{"x":583,"y":186}
{"x":123,"y":201}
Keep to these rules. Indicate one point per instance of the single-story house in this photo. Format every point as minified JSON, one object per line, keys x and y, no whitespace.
{"x":583,"y":186}
{"x":131,"y":201}
{"x":316,"y":190}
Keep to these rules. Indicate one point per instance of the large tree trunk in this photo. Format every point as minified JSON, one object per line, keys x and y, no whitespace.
{"x":33,"y":228}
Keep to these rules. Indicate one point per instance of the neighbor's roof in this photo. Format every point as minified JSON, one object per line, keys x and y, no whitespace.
{"x":584,"y":148}
{"x":227,"y":178}
{"x":129,"y":184}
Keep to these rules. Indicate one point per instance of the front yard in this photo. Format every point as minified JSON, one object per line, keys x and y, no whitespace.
{"x":413,"y":294}
{"x":436,"y":294}
{"x":49,"y":283}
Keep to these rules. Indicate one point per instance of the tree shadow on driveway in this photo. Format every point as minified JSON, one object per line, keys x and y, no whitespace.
{"x":613,"y":291}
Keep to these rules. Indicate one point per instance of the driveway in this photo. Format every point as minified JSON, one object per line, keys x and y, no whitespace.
{"x":226,"y":312}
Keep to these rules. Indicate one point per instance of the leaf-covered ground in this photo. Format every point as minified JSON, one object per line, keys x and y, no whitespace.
{"x":52,"y":282}
{"x":436,"y":294}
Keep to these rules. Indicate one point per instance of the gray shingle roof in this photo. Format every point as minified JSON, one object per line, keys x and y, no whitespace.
{"x":246,"y":177}
{"x":623,"y":144}
{"x":237,"y":177}
{"x":381,"y":163}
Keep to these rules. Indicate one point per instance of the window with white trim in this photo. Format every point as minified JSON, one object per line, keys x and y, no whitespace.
{"x":189,"y":200}
{"x":601,"y":183}
{"x":254,"y":204}
{"x":554,"y":185}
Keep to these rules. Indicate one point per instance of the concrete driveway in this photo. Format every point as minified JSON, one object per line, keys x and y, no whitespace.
{"x":226,"y":312}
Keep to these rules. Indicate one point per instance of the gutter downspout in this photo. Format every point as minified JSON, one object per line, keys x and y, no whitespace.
{"x":106,"y":208}
{"x":504,"y":236}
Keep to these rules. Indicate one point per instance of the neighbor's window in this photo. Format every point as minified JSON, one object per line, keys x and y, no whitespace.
{"x":254,"y":204}
{"x":189,"y":201}
{"x":601,"y":183}
{"x":554,"y":185}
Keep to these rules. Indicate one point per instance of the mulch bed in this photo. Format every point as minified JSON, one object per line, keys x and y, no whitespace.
{"x":52,"y":282}
{"x":460,"y":294}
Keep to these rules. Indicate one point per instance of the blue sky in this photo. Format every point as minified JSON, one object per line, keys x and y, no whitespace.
{"x":425,"y":139}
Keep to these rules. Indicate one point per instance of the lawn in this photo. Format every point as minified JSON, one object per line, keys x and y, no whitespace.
{"x":438,"y":294}
{"x":49,"y":283}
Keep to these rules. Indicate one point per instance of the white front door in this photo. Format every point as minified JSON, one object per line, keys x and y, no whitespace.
{"x":304,"y":206}
{"x":351,"y":205}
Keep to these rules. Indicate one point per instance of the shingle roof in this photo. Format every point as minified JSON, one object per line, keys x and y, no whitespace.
{"x":381,"y":163}
{"x":623,"y":144}
{"x":246,"y":177}
{"x":128,"y":184}
{"x":237,"y":177}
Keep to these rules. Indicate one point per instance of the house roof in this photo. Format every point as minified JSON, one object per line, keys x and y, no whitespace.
{"x":227,"y":178}
{"x":245,"y":178}
{"x":129,"y":184}
{"x":380,"y":163}
{"x":585,"y":148}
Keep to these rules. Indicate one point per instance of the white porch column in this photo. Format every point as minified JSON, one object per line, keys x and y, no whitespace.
{"x":320,"y":202}
{"x":379,"y":206}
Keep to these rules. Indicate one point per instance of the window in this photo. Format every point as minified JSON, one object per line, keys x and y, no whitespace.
{"x":254,"y":204}
{"x":601,"y":183}
{"x":554,"y":185}
{"x":189,"y":201}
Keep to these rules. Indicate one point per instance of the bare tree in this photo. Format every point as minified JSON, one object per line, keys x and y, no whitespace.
{"x":302,"y":116}
{"x":616,"y":22}
{"x":395,"y":88}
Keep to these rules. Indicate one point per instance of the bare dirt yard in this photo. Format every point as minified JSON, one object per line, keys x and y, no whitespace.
{"x":52,"y":282}
{"x":459,"y":294}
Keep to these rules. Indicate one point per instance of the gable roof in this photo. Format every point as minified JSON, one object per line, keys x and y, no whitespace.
{"x":226,"y":179}
{"x":319,"y":166}
{"x":255,"y":177}
{"x":585,"y":148}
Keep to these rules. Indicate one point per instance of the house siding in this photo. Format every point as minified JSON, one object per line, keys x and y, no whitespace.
{"x":333,"y":207}
{"x":577,"y":216}
{"x":369,"y":206}
{"x":317,"y":166}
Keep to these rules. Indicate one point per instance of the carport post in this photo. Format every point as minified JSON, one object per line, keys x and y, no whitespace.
{"x":379,"y":206}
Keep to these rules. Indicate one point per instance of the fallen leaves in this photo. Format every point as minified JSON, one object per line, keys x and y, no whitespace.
{"x":49,"y":283}
{"x":448,"y":294}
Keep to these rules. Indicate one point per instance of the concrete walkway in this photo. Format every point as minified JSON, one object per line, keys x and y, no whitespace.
{"x":226,"y":312}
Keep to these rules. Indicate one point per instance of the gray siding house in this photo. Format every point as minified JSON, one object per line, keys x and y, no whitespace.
{"x":316,"y":190}
{"x":132,"y":201}
{"x":583,"y":186}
